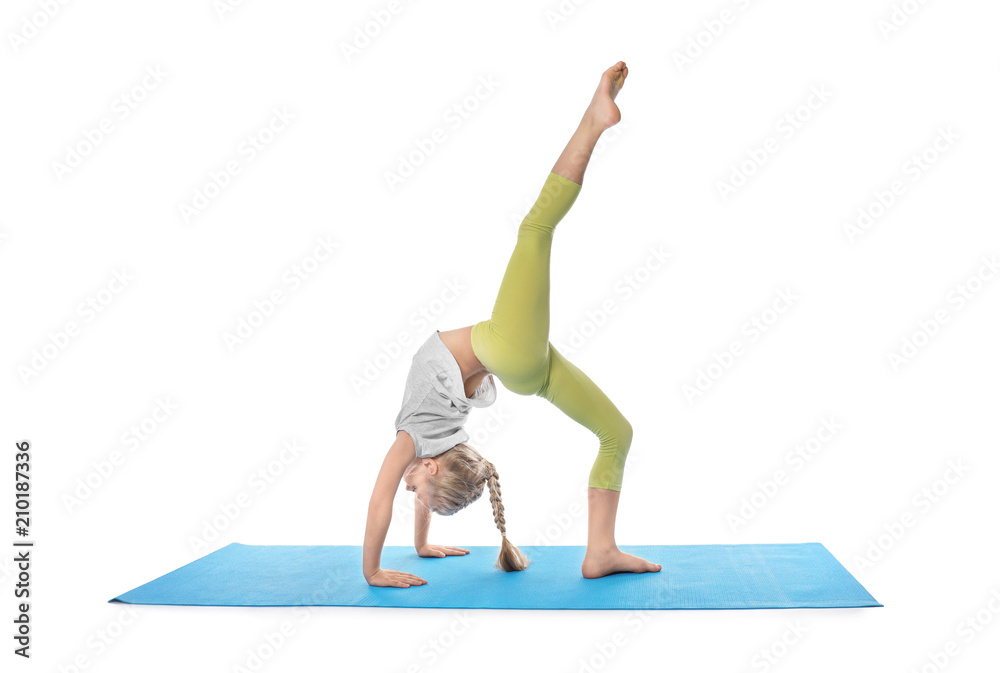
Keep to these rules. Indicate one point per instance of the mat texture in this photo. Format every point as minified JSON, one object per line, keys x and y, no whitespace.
{"x":721,"y":576}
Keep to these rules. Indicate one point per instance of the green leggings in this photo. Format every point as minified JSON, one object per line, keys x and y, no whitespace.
{"x":514,"y":343}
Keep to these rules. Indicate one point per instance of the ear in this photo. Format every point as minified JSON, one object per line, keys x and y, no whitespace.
{"x":431,"y":466}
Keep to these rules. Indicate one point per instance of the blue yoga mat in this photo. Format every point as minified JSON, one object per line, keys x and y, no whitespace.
{"x":723,"y":576}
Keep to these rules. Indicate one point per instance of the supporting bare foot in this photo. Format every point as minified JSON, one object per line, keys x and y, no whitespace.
{"x":603,"y":112}
{"x":599,"y":564}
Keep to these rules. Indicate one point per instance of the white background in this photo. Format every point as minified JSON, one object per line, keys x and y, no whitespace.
{"x":654,"y":182}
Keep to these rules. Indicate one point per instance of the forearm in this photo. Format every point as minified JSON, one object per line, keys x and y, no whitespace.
{"x":379,"y":517}
{"x":421,"y":524}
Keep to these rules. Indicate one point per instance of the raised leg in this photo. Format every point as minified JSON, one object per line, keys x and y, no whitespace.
{"x":513,"y":343}
{"x":601,"y":114}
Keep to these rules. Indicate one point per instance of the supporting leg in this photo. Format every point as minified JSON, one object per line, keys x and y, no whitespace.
{"x":572,"y":389}
{"x":576,"y":395}
{"x":603,"y":556}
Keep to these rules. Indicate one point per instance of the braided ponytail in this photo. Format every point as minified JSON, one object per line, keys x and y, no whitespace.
{"x":461,"y":483}
{"x":511,"y":558}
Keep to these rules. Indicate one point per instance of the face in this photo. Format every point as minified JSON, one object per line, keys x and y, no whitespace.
{"x":417,"y":478}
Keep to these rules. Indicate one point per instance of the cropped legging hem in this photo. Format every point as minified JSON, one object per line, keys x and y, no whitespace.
{"x":514,"y":343}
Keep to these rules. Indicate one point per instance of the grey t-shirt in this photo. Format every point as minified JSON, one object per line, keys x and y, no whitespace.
{"x":434,"y":406}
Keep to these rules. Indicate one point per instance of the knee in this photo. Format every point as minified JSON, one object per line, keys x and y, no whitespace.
{"x":609,"y":468}
{"x":625,"y":434}
{"x":619,"y":432}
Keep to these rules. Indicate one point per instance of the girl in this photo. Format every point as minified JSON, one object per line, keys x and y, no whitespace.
{"x":453,"y":372}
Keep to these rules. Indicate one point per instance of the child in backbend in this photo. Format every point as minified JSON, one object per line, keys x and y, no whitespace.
{"x":453,"y":371}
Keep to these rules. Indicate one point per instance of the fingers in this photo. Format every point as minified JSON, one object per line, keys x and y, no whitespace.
{"x":441,"y":551}
{"x":401,"y":580}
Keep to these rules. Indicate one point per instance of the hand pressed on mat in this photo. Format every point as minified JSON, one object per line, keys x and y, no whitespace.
{"x":393,"y":578}
{"x":440,"y":551}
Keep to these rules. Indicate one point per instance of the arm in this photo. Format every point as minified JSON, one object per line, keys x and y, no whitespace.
{"x":380,"y":515}
{"x":421,"y":524}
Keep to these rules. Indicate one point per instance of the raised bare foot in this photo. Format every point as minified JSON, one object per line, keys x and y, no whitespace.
{"x":599,"y":564}
{"x":602,"y":111}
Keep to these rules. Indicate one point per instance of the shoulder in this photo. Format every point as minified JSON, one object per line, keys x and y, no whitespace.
{"x":405,"y":440}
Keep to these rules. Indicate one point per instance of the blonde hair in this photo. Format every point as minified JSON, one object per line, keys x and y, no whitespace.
{"x":460,"y":483}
